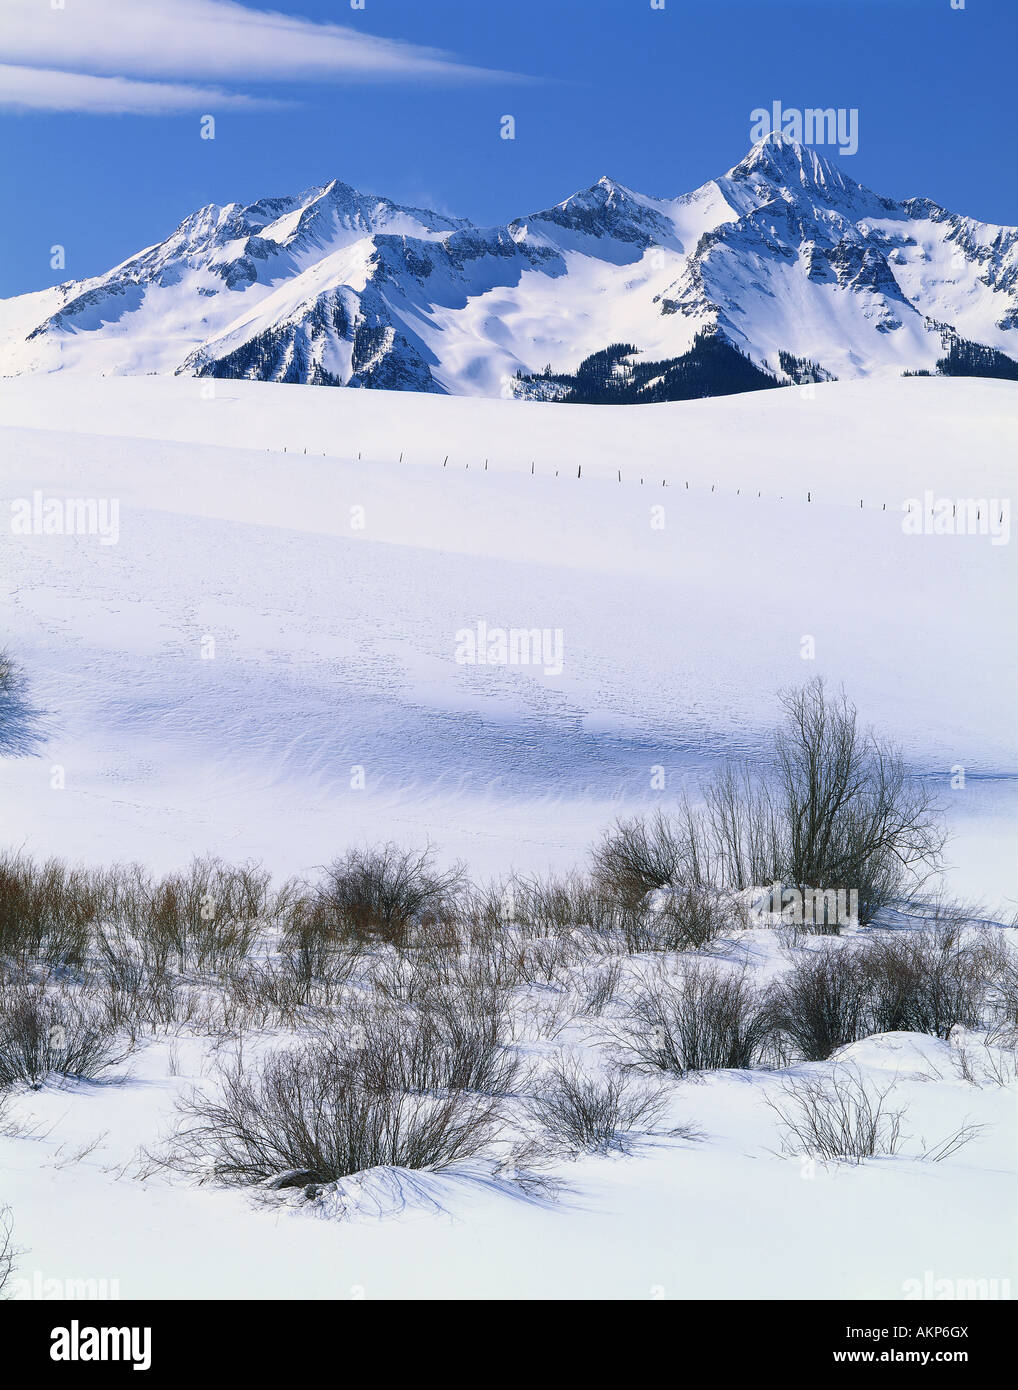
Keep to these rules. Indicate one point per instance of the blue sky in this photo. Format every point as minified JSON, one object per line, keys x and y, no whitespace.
{"x":658,"y":98}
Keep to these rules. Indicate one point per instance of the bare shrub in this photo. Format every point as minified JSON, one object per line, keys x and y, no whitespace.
{"x":576,"y":906}
{"x":837,"y":1116}
{"x":481,"y":976}
{"x":599,"y":987}
{"x":842,"y":1116}
{"x":42,"y":1035}
{"x":487,"y":909}
{"x":132,"y":980}
{"x":407,"y":978}
{"x":7,"y":1248}
{"x":545,"y":1014}
{"x":949,"y":1146}
{"x":992,"y":1061}
{"x":1002,"y":974}
{"x":690,"y":916}
{"x":444,"y":1048}
{"x":709,"y":1019}
{"x":279,"y":992}
{"x":550,"y":961}
{"x":208,"y":917}
{"x":733,"y":840}
{"x":921,"y":981}
{"x":694,"y":916}
{"x":379,"y":894}
{"x":637,"y":856}
{"x":308,"y":971}
{"x":822,"y":1003}
{"x":552,"y":905}
{"x":925,"y":981}
{"x":473,"y":1015}
{"x":311,"y":940}
{"x":593,"y":1111}
{"x":639,"y":932}
{"x":608,"y":916}
{"x":48,"y":911}
{"x":311,"y":1111}
{"x":204,"y":919}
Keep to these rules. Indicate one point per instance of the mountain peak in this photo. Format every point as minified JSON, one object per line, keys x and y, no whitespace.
{"x":606,"y":189}
{"x":778,"y":157}
{"x":606,"y":211}
{"x":777,"y":165}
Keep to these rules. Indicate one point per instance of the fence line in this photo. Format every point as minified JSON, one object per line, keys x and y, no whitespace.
{"x":664,"y":481}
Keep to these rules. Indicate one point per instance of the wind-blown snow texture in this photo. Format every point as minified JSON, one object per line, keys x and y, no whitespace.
{"x":784,"y":254}
{"x":335,"y":646}
{"x":726,"y":1216}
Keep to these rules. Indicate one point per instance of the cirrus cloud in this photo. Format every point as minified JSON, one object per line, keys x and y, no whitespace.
{"x":46,"y":89}
{"x":146,"y":55}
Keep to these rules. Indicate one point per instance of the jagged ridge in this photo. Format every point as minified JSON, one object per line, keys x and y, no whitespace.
{"x":785,"y":261}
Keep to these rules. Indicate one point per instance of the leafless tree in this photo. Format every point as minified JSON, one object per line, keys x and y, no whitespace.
{"x":739,"y":837}
{"x":839,"y":811}
{"x":854,"y":817}
{"x":19,"y":729}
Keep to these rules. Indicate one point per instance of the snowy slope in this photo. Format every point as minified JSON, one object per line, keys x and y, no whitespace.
{"x":725,"y":1216}
{"x":335,"y":646}
{"x":783,"y":254}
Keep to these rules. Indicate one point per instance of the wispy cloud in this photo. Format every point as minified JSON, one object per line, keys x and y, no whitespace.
{"x":44,"y":89}
{"x":95,"y":54}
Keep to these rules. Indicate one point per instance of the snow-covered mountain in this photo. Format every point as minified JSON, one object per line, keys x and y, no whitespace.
{"x":784,"y":259}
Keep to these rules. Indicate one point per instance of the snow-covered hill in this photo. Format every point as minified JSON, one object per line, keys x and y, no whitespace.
{"x":334,"y":581}
{"x":785,"y":258}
